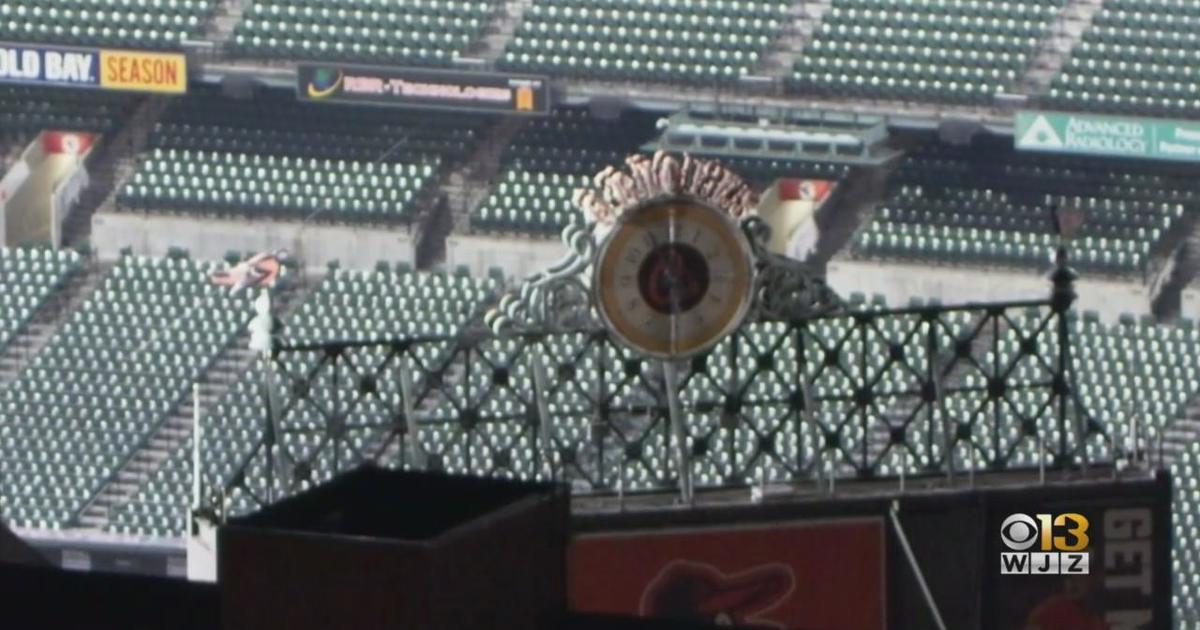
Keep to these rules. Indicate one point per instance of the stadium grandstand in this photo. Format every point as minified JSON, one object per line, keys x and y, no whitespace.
{"x":1001,"y":198}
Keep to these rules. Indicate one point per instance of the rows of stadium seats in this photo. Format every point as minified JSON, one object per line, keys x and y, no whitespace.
{"x":1138,"y":56}
{"x":27,"y":278}
{"x":536,"y":202}
{"x":26,"y":111}
{"x":960,"y":51}
{"x":1082,"y":177}
{"x":984,"y":226}
{"x":764,"y":445}
{"x":35,"y":109}
{"x":1125,"y":357}
{"x":1121,"y":356}
{"x":421,"y":32}
{"x":159,"y":506}
{"x":276,"y":124}
{"x":547,"y":161}
{"x":258,"y":185}
{"x":112,"y":23}
{"x":1133,"y":57}
{"x":950,"y":208}
{"x":661,"y":40}
{"x":552,"y":157}
{"x":1161,"y":362}
{"x":110,"y":374}
{"x":1185,"y":545}
{"x":1137,"y":373}
{"x":274,"y":157}
{"x":897,"y":413}
{"x":347,"y":305}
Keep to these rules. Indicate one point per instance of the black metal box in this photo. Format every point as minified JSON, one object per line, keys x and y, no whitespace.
{"x":385,"y":549}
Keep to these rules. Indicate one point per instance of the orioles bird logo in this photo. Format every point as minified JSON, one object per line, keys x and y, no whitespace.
{"x":693,"y":590}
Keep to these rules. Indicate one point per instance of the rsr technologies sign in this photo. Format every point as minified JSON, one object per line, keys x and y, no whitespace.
{"x":1114,"y":136}
{"x":421,"y":87}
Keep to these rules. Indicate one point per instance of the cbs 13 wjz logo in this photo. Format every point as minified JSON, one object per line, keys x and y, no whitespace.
{"x":1044,"y":544}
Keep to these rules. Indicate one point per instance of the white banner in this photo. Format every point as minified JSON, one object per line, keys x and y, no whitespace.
{"x":64,"y":197}
{"x":12,"y":182}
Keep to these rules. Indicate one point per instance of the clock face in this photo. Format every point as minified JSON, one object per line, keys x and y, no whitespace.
{"x":673,"y":277}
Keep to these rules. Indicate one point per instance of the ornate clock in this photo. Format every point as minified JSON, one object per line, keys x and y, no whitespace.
{"x":671,"y":268}
{"x":673,"y":276}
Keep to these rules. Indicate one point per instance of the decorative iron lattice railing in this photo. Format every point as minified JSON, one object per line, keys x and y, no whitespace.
{"x":870,"y":394}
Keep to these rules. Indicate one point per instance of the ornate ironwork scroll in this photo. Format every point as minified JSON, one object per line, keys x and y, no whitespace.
{"x":803,"y":391}
{"x":785,"y":288}
{"x":560,"y":298}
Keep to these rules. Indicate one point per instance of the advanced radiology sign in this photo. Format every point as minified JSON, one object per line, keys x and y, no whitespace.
{"x":1115,"y":136}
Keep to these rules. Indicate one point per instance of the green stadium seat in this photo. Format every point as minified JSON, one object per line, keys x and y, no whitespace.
{"x":956,"y":51}
{"x":110,"y":374}
{"x":703,"y":41}
{"x":348,"y":306}
{"x":944,"y":211}
{"x":1136,"y":57}
{"x":156,"y":24}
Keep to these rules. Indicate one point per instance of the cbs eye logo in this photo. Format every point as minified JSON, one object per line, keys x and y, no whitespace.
{"x":1044,"y":544}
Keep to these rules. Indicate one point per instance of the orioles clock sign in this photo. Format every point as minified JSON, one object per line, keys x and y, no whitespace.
{"x":673,"y":277}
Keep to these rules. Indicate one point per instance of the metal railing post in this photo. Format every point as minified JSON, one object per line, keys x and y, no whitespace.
{"x":894,"y":517}
{"x":416,"y":453}
{"x":269,"y":433}
{"x":683,"y":461}
{"x":538,"y":368}
{"x":1062,"y":297}
{"x":196,"y":437}
{"x":1041,"y":445}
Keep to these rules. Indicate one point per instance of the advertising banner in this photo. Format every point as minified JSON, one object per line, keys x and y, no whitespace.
{"x":143,"y":71}
{"x":412,"y":87}
{"x":1113,"y":136}
{"x":804,"y":575}
{"x":1080,"y":564}
{"x":121,"y":70}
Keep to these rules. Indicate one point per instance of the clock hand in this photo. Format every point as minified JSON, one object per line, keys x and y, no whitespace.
{"x":673,"y":284}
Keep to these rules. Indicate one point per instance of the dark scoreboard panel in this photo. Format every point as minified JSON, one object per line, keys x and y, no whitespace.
{"x":425,"y":88}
